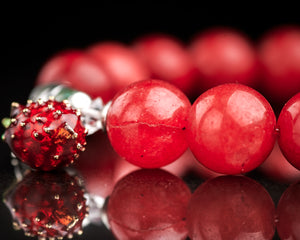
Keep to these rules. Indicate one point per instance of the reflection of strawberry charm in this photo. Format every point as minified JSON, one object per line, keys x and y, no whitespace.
{"x":47,"y":205}
{"x":45,"y":134}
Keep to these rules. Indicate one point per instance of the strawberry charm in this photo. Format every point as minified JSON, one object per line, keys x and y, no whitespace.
{"x":49,"y":131}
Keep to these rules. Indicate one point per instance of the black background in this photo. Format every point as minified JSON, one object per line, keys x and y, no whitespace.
{"x":31,"y":35}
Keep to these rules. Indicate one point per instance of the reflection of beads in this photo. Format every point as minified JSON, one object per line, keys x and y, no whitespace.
{"x":288,"y":210}
{"x":231,"y":207}
{"x":47,"y":205}
{"x":149,"y":204}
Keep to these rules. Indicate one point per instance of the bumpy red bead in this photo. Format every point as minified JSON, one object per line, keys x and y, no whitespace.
{"x":47,"y":205}
{"x":146,"y":123}
{"x":231,"y":207}
{"x":149,"y":204}
{"x":45,"y":135}
{"x":289,"y":127}
{"x":231,"y":129}
{"x":288,"y":213}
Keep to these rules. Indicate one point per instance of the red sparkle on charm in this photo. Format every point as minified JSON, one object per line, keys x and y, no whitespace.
{"x":45,"y":135}
{"x":48,"y":205}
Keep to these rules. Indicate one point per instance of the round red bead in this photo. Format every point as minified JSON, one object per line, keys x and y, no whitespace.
{"x":279,"y":53}
{"x":120,"y":63}
{"x":231,"y":129}
{"x":149,"y":204}
{"x":77,"y":70}
{"x":224,"y":56}
{"x":289,"y":127}
{"x":47,"y":205}
{"x":168,"y":60}
{"x":146,"y":123}
{"x":231,"y":207}
{"x":46,"y":135}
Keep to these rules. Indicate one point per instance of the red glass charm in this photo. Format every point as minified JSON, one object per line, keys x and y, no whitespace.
{"x":289,"y":127}
{"x":45,"y":135}
{"x":231,"y":129}
{"x":146,"y":123}
{"x":47,"y":205}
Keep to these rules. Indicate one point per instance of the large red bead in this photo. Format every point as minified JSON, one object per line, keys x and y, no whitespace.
{"x":279,"y":53}
{"x":46,"y":135}
{"x":289,"y":127}
{"x":224,"y":56}
{"x":146,"y":123}
{"x":167,"y":59}
{"x":47,"y":205}
{"x":231,"y":207}
{"x":231,"y":129}
{"x":288,"y":213}
{"x":150,"y":205}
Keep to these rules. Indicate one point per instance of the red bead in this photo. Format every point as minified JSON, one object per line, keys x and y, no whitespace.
{"x":79,"y":71}
{"x":289,"y":127}
{"x":58,"y":66}
{"x":231,"y":129}
{"x":224,"y":56}
{"x":277,"y":168}
{"x":168,"y":60}
{"x":46,"y":135}
{"x":149,"y":204}
{"x":288,"y":213}
{"x":146,"y":123}
{"x":121,"y":64}
{"x":280,"y":56}
{"x":231,"y":207}
{"x":47,"y":205}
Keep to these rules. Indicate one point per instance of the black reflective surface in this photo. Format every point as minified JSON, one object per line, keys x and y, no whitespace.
{"x":31,"y":36}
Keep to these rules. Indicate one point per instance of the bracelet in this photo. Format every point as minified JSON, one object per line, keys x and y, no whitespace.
{"x":230,"y":129}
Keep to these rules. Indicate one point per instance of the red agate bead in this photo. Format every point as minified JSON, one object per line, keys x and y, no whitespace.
{"x":149,"y":204}
{"x":289,"y":128}
{"x":47,"y":205}
{"x":45,"y":135}
{"x":231,"y":129}
{"x":146,"y":123}
{"x":231,"y":207}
